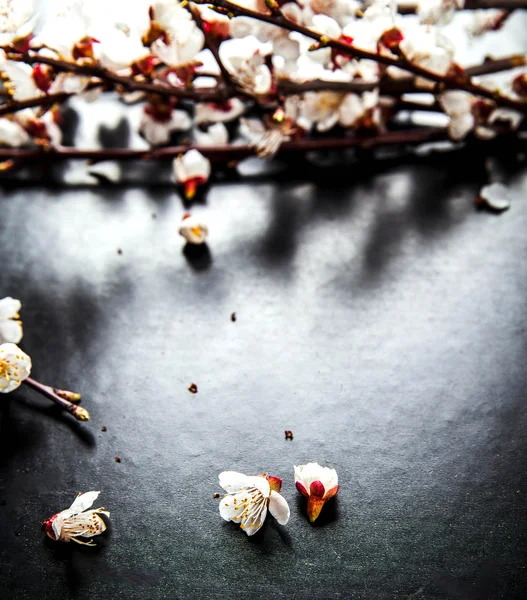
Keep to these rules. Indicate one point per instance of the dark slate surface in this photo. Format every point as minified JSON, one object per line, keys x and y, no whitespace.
{"x":381,"y":319}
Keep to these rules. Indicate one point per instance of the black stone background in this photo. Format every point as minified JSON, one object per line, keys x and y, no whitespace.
{"x":380,"y":317}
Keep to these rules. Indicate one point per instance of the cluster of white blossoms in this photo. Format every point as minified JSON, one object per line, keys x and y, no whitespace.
{"x":220,"y":78}
{"x":249,"y":498}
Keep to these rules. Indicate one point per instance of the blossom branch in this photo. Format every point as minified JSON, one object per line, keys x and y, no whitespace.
{"x":128,"y":83}
{"x":61,"y":397}
{"x":445,"y":82}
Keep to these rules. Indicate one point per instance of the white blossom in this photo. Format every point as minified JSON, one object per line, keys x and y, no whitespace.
{"x":193,"y":229}
{"x":183,"y":48}
{"x":10,"y":324}
{"x":245,"y":60}
{"x":16,"y":20}
{"x":248,"y":498}
{"x":15,"y":366}
{"x":76,"y":521}
{"x":157,"y":131}
{"x":318,"y":484}
{"x":191,"y":170}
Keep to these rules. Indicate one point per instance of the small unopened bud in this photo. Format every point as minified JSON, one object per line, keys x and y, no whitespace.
{"x":67,"y":395}
{"x":81,"y":414}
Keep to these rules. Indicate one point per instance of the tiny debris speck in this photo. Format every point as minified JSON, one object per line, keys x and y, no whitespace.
{"x":215,"y":495}
{"x":117,"y":459}
{"x":119,"y":251}
{"x":233,"y":317}
{"x":288,"y":435}
{"x":103,"y":428}
{"x":193,"y":388}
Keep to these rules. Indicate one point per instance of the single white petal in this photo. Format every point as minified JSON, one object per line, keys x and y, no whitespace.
{"x":496,"y":195}
{"x":9,"y":308}
{"x":232,"y":481}
{"x":456,"y":102}
{"x":194,"y":231}
{"x":10,"y":331}
{"x":327,"y":26}
{"x":12,"y":134}
{"x":261,"y":484}
{"x":508,"y":115}
{"x":279,"y":508}
{"x":15,"y":366}
{"x":206,"y":112}
{"x":216,"y":135}
{"x":108,"y":170}
{"x":21,"y":80}
{"x":82,"y":502}
{"x":180,"y":121}
{"x":461,"y":125}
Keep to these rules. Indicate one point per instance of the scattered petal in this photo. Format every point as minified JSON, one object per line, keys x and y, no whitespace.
{"x":495,"y":196}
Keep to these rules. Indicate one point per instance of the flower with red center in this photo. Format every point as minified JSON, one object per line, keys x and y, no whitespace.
{"x":76,"y":521}
{"x":318,"y":484}
{"x":248,"y":499}
{"x":191,"y":170}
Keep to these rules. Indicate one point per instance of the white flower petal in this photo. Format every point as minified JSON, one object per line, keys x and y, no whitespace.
{"x":232,"y":481}
{"x":15,"y":366}
{"x":21,"y":80}
{"x":496,"y":195}
{"x":10,"y":331}
{"x":82,"y":502}
{"x":279,"y":508}
{"x":12,"y":134}
{"x":461,"y":125}
{"x":9,"y":308}
{"x":456,"y":102}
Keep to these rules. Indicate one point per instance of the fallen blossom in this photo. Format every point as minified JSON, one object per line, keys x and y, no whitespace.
{"x":10,"y":325}
{"x":318,"y":484}
{"x":191,"y":170}
{"x":249,"y":497}
{"x":15,"y":366}
{"x":195,"y":232}
{"x":76,"y":521}
{"x":495,"y":196}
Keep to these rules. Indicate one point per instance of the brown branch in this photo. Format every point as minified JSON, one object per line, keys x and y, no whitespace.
{"x":81,"y":414}
{"x":228,"y":152}
{"x":496,"y":65}
{"x":229,"y":82}
{"x":349,"y":50}
{"x":128,"y":83}
{"x":410,"y":8}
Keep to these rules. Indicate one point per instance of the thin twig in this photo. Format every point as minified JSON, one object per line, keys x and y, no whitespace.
{"x":81,"y":414}
{"x":216,"y":95}
{"x":230,"y":152}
